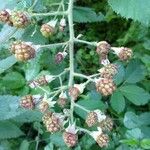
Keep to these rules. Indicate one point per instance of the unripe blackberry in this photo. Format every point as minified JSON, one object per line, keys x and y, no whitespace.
{"x":53,"y":124}
{"x":91,"y":119}
{"x":70,"y":139}
{"x":46,"y":116}
{"x":105,"y":86}
{"x":106,"y":124}
{"x":30,"y":101}
{"x":47,"y":30}
{"x":102,"y":140}
{"x":43,"y":106}
{"x":27,"y":102}
{"x":125,"y":54}
{"x":103,"y":48}
{"x":4,"y":16}
{"x":108,"y":71}
{"x":19,"y":19}
{"x":23,"y":51}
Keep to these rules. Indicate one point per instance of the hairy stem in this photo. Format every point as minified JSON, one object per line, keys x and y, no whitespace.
{"x":71,"y":52}
{"x":85,"y":42}
{"x":60,"y":13}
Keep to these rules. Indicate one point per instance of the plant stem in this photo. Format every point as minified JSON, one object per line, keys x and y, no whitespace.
{"x":85,"y":42}
{"x":83,"y":76}
{"x":60,"y":13}
{"x":71,"y":52}
{"x":52,"y":45}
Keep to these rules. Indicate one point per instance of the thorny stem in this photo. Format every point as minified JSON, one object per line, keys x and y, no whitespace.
{"x":71,"y":52}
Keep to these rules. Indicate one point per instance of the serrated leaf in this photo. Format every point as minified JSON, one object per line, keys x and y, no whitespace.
{"x":7,"y":63}
{"x":85,"y":14}
{"x":13,"y":80}
{"x":9,"y":106}
{"x":135,"y":72}
{"x":28,"y":116}
{"x":9,"y":130}
{"x":135,"y":94}
{"x":117,"y":101}
{"x":137,"y":10}
{"x":145,"y":143}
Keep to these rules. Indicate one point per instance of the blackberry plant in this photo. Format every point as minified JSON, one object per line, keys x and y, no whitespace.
{"x":65,"y":104}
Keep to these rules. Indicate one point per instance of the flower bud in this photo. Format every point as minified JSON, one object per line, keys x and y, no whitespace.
{"x":62,"y":24}
{"x":60,"y":57}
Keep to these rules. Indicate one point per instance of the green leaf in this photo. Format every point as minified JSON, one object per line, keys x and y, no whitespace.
{"x":9,"y":130}
{"x":7,"y":63}
{"x":13,"y":80}
{"x":137,"y":10}
{"x":135,"y":94}
{"x":90,"y":103}
{"x":50,"y":146}
{"x":9,"y":107}
{"x":135,"y":72}
{"x":28,"y":116}
{"x":32,"y":69}
{"x":24,"y":145}
{"x":119,"y":77}
{"x":134,"y":133}
{"x":57,"y":139}
{"x":85,"y":14}
{"x":131,"y":142}
{"x":117,"y":102}
{"x":131,"y":120}
{"x":145,"y":143}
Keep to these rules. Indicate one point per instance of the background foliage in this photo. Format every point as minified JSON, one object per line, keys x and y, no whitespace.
{"x":128,"y":106}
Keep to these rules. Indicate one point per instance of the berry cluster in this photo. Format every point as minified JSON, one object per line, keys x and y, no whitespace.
{"x":103,"y":122}
{"x":16,"y":19}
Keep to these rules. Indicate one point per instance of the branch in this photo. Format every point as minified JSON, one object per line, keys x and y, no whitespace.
{"x":60,"y":13}
{"x":85,"y":42}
